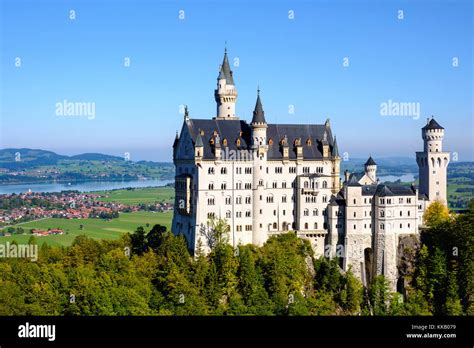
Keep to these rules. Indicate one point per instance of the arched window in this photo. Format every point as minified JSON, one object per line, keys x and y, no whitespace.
{"x":237,"y":142}
{"x":210,"y":170}
{"x":306,"y":184}
{"x":211,"y":186}
{"x":306,"y":226}
{"x":306,"y":212}
{"x":308,"y":141}
{"x":325,"y":184}
{"x":315,"y":225}
{"x":270,"y":141}
{"x":228,"y":214}
{"x":315,"y":212}
{"x":224,"y":142}
{"x":275,"y":225}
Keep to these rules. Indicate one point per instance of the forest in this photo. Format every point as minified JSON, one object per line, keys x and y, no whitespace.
{"x":154,"y":274}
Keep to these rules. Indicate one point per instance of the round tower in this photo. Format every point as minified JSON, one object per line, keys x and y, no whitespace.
{"x":259,"y":150}
{"x":371,"y":169}
{"x":433,"y":163}
{"x":225,"y":93}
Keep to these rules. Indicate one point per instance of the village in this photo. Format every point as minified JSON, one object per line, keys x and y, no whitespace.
{"x":28,"y":206}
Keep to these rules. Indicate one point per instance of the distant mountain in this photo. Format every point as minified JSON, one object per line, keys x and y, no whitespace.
{"x":96,"y":157}
{"x":24,"y":158}
{"x":27,"y":158}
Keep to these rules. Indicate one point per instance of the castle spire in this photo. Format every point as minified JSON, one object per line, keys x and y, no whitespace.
{"x":335,"y":150}
{"x":225,"y":72}
{"x":225,"y":94}
{"x":258,"y":113}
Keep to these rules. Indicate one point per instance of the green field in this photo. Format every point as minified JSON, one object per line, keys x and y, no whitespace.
{"x":93,"y":228}
{"x":138,"y":195}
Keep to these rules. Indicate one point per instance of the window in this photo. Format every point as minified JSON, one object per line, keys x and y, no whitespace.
{"x":401,"y":213}
{"x":210,"y":171}
{"x":274,"y":185}
{"x":238,"y":214}
{"x":275,"y":225}
{"x":228,"y":200}
{"x":306,"y":212}
{"x":228,"y":214}
{"x":270,"y":199}
{"x":306,"y":184}
{"x":292,"y":170}
{"x":325,"y":199}
{"x":223,"y":170}
{"x":306,"y":226}
{"x":238,"y":228}
{"x":223,"y":186}
{"x":283,"y":184}
{"x":315,"y":225}
{"x":248,"y":200}
{"x":355,"y":227}
{"x":283,"y":199}
{"x":325,"y":184}
{"x":315,"y":212}
{"x":354,"y":201}
{"x":248,"y":186}
{"x":382,"y":213}
{"x":408,"y":225}
{"x":238,"y":170}
{"x":248,"y":170}
{"x":238,"y":200}
{"x":401,"y":225}
{"x":274,"y":212}
{"x":211,"y":215}
{"x":278,"y":170}
{"x":382,"y":226}
{"x":408,"y":212}
{"x":408,"y":200}
{"x":355,"y":214}
{"x":238,"y":186}
{"x":211,"y":186}
{"x":400,"y":200}
{"x":247,"y":213}
{"x":224,"y":142}
{"x":210,"y":201}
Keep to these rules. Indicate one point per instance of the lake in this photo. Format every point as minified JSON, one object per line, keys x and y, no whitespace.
{"x":84,"y":186}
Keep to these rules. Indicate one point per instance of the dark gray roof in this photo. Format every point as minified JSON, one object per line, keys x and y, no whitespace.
{"x":230,"y":130}
{"x":258,"y":113}
{"x":394,"y":190}
{"x":176,"y":139}
{"x":354,"y":179}
{"x":369,"y":190}
{"x":432,"y":124}
{"x":225,"y":71}
{"x":337,"y":200}
{"x":370,"y":162}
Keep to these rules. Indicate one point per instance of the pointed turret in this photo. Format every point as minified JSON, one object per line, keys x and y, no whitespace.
{"x":335,"y":150}
{"x":258,"y":113}
{"x":198,"y":142}
{"x":225,"y":72}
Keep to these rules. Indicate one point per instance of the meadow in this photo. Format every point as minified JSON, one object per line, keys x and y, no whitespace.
{"x":93,"y":228}
{"x":138,"y":195}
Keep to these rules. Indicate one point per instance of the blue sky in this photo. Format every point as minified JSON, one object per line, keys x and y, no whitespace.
{"x":175,"y":61}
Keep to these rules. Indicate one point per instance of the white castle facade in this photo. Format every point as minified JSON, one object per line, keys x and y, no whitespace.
{"x":266,"y":179}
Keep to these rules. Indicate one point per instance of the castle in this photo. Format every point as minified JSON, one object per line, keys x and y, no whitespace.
{"x":266,"y":179}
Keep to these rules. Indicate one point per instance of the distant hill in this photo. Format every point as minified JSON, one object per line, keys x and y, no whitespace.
{"x":27,"y":158}
{"x":385,"y":165}
{"x":24,"y":158}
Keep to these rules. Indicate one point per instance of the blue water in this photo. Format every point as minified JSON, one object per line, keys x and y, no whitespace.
{"x":80,"y":186}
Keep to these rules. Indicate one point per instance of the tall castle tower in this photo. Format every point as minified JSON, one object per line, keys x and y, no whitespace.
{"x":225,"y":94}
{"x":259,"y":148}
{"x":433,"y":162}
